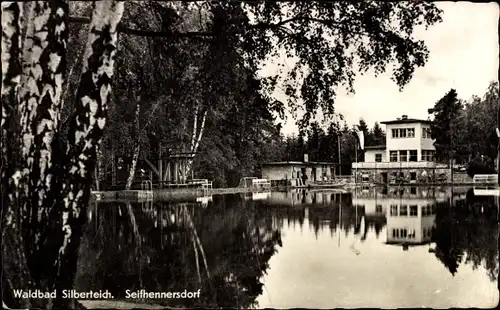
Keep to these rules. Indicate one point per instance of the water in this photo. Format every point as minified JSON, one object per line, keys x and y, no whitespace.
{"x":379,"y":247}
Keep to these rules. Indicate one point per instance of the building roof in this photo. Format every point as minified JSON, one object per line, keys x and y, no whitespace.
{"x":375,"y":147}
{"x":405,"y":121}
{"x":286,"y":163}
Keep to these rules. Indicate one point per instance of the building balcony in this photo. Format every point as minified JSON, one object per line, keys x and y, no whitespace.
{"x":395,"y":165}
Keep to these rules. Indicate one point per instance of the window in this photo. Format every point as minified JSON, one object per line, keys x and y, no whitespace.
{"x":395,"y":133}
{"x":413,"y":190}
{"x":393,"y":156}
{"x":413,"y":176}
{"x":411,"y":234}
{"x":395,"y":233}
{"x":402,"y":133}
{"x":413,"y":155}
{"x":403,"y":210}
{"x":394,"y":210}
{"x":426,"y":133}
{"x":426,"y":210}
{"x":378,"y":158}
{"x":403,"y":156}
{"x":413,"y":210}
{"x":428,"y":155}
{"x":365,"y":178}
{"x":411,"y":132}
{"x":403,"y":233}
{"x":378,"y":209}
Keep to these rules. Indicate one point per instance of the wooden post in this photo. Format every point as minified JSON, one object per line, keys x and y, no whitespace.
{"x":167,"y":177}
{"x":183,"y":171}
{"x":497,"y":130}
{"x":175,"y":171}
{"x":113,"y":165}
{"x":96,"y":176}
{"x":160,"y":168}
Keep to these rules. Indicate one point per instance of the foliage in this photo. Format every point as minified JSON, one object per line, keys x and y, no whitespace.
{"x":467,"y":129}
{"x":480,"y":165}
{"x":238,"y":141}
{"x":377,"y":135}
{"x":331,"y":41}
{"x":446,"y":112}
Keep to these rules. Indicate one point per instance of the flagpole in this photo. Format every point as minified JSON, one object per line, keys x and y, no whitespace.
{"x":340,"y":160}
{"x":356,"y":154}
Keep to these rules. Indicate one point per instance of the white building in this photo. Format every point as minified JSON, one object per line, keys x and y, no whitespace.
{"x":407,"y":156}
{"x":407,"y":140}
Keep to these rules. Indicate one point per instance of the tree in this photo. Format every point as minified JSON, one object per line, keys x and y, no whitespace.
{"x":253,"y":29}
{"x":472,"y":129}
{"x":481,"y":116}
{"x":445,"y":112}
{"x":46,"y":185}
{"x":378,"y":135}
{"x":328,"y":38}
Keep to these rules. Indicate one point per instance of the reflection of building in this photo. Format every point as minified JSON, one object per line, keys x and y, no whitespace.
{"x":306,"y":197}
{"x":410,"y":221}
{"x":406,"y":157}
{"x":409,"y":212}
{"x":293,"y":172}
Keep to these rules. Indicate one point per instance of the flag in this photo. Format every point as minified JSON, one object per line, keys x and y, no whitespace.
{"x":361,"y":137}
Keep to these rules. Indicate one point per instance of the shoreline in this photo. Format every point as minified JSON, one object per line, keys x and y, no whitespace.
{"x":173,"y":194}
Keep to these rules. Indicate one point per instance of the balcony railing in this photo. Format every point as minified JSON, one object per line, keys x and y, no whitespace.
{"x":395,"y":165}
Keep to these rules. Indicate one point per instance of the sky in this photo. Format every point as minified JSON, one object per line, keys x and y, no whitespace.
{"x":464,"y":55}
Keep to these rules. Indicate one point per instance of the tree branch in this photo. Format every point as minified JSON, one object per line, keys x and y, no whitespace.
{"x":147,"y":33}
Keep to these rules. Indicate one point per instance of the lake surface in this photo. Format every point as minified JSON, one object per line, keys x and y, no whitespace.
{"x":375,"y":247}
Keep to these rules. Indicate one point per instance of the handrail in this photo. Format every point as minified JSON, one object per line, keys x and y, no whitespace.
{"x":146,"y":185}
{"x":478,"y":178}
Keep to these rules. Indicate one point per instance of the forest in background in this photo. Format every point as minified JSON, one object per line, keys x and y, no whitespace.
{"x":464,"y":130}
{"x":197,"y":95}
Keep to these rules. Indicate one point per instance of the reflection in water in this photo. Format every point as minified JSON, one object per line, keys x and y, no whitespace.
{"x":222,"y":250}
{"x":406,"y":246}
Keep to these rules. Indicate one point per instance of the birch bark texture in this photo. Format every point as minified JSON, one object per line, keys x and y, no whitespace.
{"x":45,"y":187}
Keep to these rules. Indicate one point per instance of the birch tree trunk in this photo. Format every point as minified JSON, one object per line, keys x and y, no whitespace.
{"x":196,"y":140}
{"x":46,"y":190}
{"x":15,"y":272}
{"x":137,"y":147}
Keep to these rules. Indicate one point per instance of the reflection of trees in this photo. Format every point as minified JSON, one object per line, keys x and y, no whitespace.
{"x":467,"y":232}
{"x":321,"y":216}
{"x":171,"y":247}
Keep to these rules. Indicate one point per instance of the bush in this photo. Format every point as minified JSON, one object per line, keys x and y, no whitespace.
{"x":480,"y":166}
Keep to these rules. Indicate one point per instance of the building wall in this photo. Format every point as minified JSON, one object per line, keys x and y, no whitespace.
{"x":415,"y":143}
{"x":422,"y":175}
{"x":370,"y":155}
{"x":273,"y":173}
{"x":426,"y":144}
{"x":289,"y":172}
